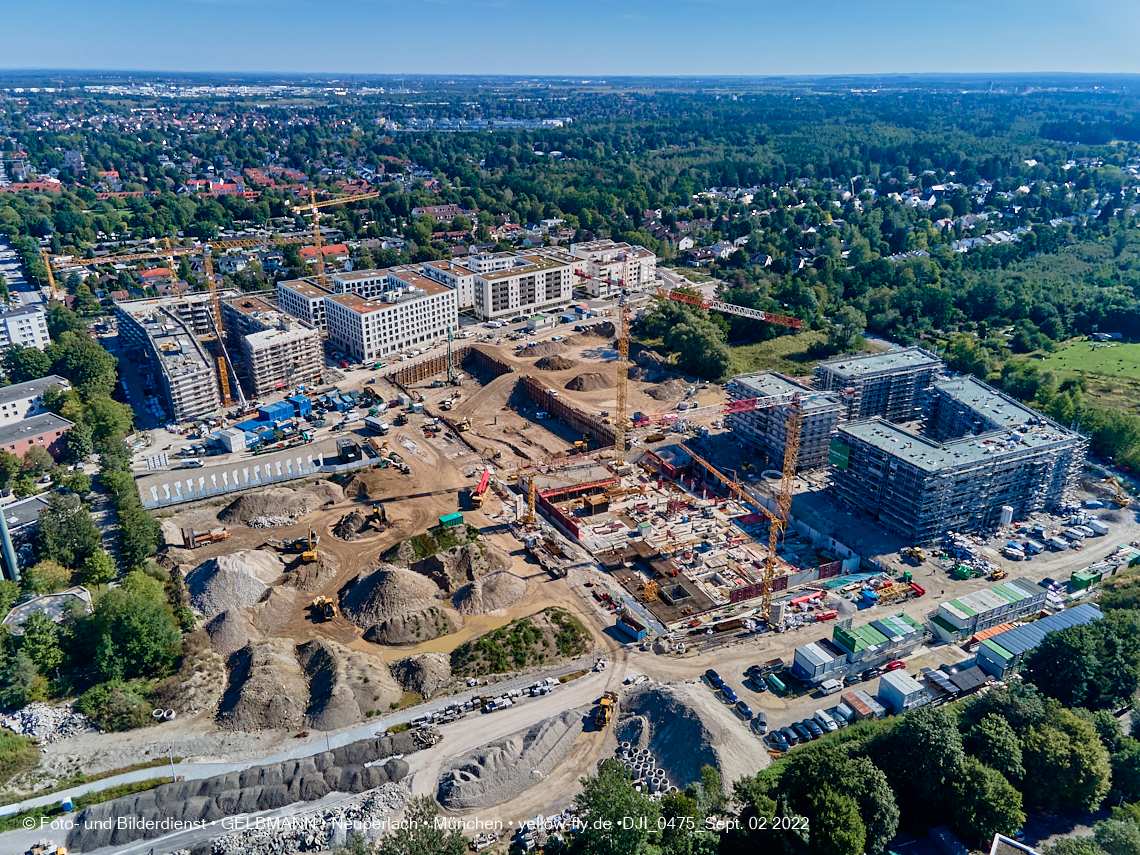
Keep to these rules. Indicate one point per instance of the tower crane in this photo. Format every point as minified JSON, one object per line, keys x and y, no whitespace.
{"x":50,"y":275}
{"x":710,"y":304}
{"x":312,"y":208}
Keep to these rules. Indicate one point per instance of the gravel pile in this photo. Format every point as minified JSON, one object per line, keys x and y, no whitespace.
{"x":452,"y":567}
{"x":605,"y":329}
{"x":426,"y":674}
{"x":504,"y":769}
{"x":547,"y":348}
{"x":48,"y":724}
{"x":351,"y":526}
{"x":356,"y":768}
{"x":591,"y":382}
{"x":668,"y":390}
{"x":385,"y":593}
{"x":344,"y":685}
{"x":232,"y":581}
{"x":230,"y":631}
{"x":268,"y":688}
{"x":278,"y":506}
{"x":414,"y":627}
{"x":555,"y":363}
{"x":319,"y":832}
{"x":489,"y":594}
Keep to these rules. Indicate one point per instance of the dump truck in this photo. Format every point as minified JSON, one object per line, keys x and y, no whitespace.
{"x":325,"y":607}
{"x":194,"y":539}
{"x":604,"y":712}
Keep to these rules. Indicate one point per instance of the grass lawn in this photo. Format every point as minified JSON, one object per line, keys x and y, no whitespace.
{"x":1111,"y":369}
{"x":788,"y":354}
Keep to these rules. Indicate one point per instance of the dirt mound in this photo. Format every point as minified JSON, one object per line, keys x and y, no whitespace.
{"x":502,"y":770}
{"x":489,"y":594}
{"x":591,"y":382}
{"x":230,"y":631}
{"x":232,"y":581}
{"x":312,"y":575}
{"x":278,"y":506}
{"x":555,"y":363}
{"x":547,"y":348}
{"x":459,"y":564}
{"x":344,"y":685}
{"x":668,"y":390}
{"x":540,"y":639}
{"x":353,"y":526}
{"x":414,"y":627}
{"x":385,"y":593}
{"x":605,"y":329}
{"x":426,"y":674}
{"x":200,"y":681}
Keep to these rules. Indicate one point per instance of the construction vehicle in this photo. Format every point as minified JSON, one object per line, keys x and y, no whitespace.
{"x":998,"y":575}
{"x":379,"y":513}
{"x":310,"y":554}
{"x":446,"y":404}
{"x":604,"y":712}
{"x":464,"y":425}
{"x":477,"y":494}
{"x":582,"y":445}
{"x":325,"y":607}
{"x":401,"y":419}
{"x":1121,"y":498}
{"x":194,"y":539}
{"x":913,"y":553}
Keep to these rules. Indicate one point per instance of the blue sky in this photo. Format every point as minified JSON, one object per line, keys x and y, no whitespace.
{"x":580,"y":37}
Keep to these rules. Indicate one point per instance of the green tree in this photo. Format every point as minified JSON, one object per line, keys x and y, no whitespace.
{"x":847,"y":326}
{"x":81,"y":359}
{"x":142,"y":635}
{"x":610,"y":798}
{"x":67,"y":532}
{"x":993,"y":742}
{"x":25,"y":363}
{"x":1117,"y":837}
{"x":985,"y":803}
{"x":1065,"y":763}
{"x":922,"y":775}
{"x":41,"y":642}
{"x":419,"y":835}
{"x":77,"y":482}
{"x":61,"y":319}
{"x":46,"y":577}
{"x":10,"y":466}
{"x":1095,"y":665}
{"x":138,"y":534}
{"x":109,"y":420}
{"x":9,"y":593}
{"x":37,"y":461}
{"x":25,"y":486}
{"x":684,"y":831}
{"x":836,"y":827}
{"x":79,"y":444}
{"x":99,"y":569}
{"x":1074,"y":846}
{"x":17,"y":680}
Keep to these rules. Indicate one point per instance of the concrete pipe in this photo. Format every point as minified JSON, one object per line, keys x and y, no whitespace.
{"x":625,"y":746}
{"x":649,"y":758}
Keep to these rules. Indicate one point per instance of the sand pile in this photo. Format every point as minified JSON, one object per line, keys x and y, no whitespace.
{"x":489,"y":594}
{"x":426,"y":674}
{"x":230,"y":631}
{"x":344,"y":684}
{"x":273,"y":613}
{"x":591,"y":382}
{"x":232,"y":581}
{"x":605,"y":329}
{"x":279,"y":506}
{"x":353,"y":526}
{"x":555,"y":363}
{"x":547,"y":348}
{"x":668,"y":390}
{"x":414,"y":627}
{"x":268,"y":688}
{"x":312,"y":575}
{"x":459,"y":564}
{"x":502,"y":770}
{"x":387,"y":592}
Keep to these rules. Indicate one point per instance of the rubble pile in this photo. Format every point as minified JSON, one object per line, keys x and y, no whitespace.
{"x":47,"y":723}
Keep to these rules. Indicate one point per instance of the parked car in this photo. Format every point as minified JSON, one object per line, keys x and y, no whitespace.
{"x":713,"y":677}
{"x":756,"y":682}
{"x":760,"y":722}
{"x":729,"y":695}
{"x":557,"y":338}
{"x":897,"y":665}
{"x":790,"y":736}
{"x":813,"y":726}
{"x":871,"y":674}
{"x":802,"y":732}
{"x":744,"y":710}
{"x":777,"y":738}
{"x":852,"y":680}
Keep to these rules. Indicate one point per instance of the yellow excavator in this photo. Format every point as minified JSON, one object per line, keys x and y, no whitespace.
{"x":1122,"y":499}
{"x":310,"y":554}
{"x":583,"y":444}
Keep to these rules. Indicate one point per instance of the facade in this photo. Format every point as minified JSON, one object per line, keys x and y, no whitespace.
{"x":855,"y":648}
{"x":304,"y":299}
{"x":454,"y":276}
{"x":527,"y":283}
{"x":184,"y":373}
{"x":366,"y":283}
{"x":613,"y":265}
{"x":272,"y":350}
{"x":25,"y":326}
{"x":420,"y":311}
{"x":23,"y":400}
{"x":891,"y":385}
{"x":45,"y":430}
{"x":1003,"y":654}
{"x":959,"y":619}
{"x":765,"y":430}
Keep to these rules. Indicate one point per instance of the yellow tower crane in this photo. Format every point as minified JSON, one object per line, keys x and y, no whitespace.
{"x":50,"y":275}
{"x":216,"y":313}
{"x":315,"y":214}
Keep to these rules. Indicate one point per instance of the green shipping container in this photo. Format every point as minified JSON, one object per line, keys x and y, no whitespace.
{"x":451,"y":520}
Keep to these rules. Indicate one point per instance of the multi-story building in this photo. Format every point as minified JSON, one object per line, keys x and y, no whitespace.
{"x":455,"y":276}
{"x":524,"y":283}
{"x":184,"y":373}
{"x":892,"y":385}
{"x":964,"y":406}
{"x":192,"y":309}
{"x":270,"y":349}
{"x":304,"y":299}
{"x":765,"y":429}
{"x":25,"y":326}
{"x":366,"y":283}
{"x":45,"y":430}
{"x":24,"y":400}
{"x":920,"y":488}
{"x":419,"y":311}
{"x":614,"y":265}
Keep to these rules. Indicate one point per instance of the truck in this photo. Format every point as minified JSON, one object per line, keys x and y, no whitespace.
{"x":194,"y":539}
{"x":604,"y":712}
{"x":772,"y":666}
{"x":1098,"y":528}
{"x":378,"y":425}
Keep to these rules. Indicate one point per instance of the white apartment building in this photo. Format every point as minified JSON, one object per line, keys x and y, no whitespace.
{"x":455,"y":276}
{"x":525,"y":283}
{"x":614,"y":263}
{"x":23,"y":400}
{"x":366,"y":283}
{"x":416,"y":311}
{"x":25,"y":326}
{"x":304,"y":299}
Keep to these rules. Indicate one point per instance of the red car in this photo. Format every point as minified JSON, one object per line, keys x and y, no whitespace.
{"x":896,"y":665}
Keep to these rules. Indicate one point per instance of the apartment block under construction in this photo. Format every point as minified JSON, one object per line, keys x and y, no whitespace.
{"x":765,"y":429}
{"x":982,"y":456}
{"x":270,"y":349}
{"x":892,"y":385}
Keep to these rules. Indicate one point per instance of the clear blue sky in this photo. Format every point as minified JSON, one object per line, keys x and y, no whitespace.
{"x":579,"y":37}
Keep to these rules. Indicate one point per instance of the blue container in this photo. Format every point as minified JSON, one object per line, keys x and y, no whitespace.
{"x":302,"y":406}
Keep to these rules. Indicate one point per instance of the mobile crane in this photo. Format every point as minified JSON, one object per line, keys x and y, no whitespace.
{"x":477,"y":494}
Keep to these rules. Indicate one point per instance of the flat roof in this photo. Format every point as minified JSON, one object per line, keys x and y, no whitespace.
{"x":354,"y":275}
{"x":31,"y":388}
{"x":24,"y":310}
{"x":762,"y":384}
{"x":450,"y":267}
{"x":998,"y":408}
{"x":32,"y":426}
{"x":533,"y":264}
{"x":305,"y":288}
{"x":251,"y":305}
{"x":24,"y":512}
{"x":931,"y":456}
{"x":358,"y":304}
{"x":854,"y":367}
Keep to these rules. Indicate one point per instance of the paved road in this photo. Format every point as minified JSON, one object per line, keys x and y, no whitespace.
{"x":23,"y":292}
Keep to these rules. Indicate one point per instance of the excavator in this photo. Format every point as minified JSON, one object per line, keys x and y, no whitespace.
{"x":380,"y":515}
{"x":484,"y":482}
{"x":583,"y":444}
{"x":1121,"y":498}
{"x":310,"y":554}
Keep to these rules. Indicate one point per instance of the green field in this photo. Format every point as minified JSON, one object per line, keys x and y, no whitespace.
{"x":789,"y":354}
{"x":1111,"y":369}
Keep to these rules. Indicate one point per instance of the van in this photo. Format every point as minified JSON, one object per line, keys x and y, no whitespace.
{"x":493,"y":325}
{"x":830,"y":687}
{"x":825,"y":721}
{"x":191,"y":463}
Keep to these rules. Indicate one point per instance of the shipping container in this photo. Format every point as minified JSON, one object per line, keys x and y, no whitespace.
{"x":1098,"y":528}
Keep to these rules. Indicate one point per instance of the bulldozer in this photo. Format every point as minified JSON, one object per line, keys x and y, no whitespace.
{"x":604,"y":712}
{"x":464,"y":425}
{"x":310,"y":554}
{"x":325,"y":607}
{"x":913,"y":553}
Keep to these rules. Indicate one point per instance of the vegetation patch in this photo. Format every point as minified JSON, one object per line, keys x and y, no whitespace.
{"x":434,"y":540}
{"x":540,"y":639}
{"x":18,"y":754}
{"x":16,"y":820}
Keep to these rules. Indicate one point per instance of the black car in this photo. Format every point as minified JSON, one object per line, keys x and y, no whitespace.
{"x":756,"y":682}
{"x":802,"y":732}
{"x":790,"y":736}
{"x":811,"y":725}
{"x":777,"y":738}
{"x":744,"y":710}
{"x":713,"y":677}
{"x":871,"y":674}
{"x":852,"y":680}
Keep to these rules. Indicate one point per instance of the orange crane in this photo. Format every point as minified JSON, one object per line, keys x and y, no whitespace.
{"x":710,"y":304}
{"x":312,"y":208}
{"x":484,"y":482}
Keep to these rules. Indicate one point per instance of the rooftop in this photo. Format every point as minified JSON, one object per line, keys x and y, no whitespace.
{"x":764,"y":384}
{"x":32,"y":426}
{"x":532,"y":263}
{"x":253,"y":306}
{"x":31,"y":388}
{"x":25,"y":512}
{"x":998,"y":408}
{"x":23,"y":310}
{"x":53,"y":605}
{"x":881,"y":363}
{"x":391,"y":299}
{"x":305,"y":288}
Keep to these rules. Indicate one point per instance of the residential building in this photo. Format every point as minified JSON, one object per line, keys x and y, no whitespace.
{"x":508,"y":284}
{"x":455,"y":276}
{"x":765,"y":429}
{"x":45,"y":430}
{"x":964,"y":406}
{"x":438,"y":212}
{"x":23,"y":400}
{"x":330,"y":252}
{"x":193,"y":309}
{"x":892,"y":384}
{"x":183,"y":371}
{"x":366,"y":283}
{"x":304,"y":299}
{"x":614,"y":265}
{"x":25,"y":326}
{"x":270,"y":349}
{"x":419,"y":312}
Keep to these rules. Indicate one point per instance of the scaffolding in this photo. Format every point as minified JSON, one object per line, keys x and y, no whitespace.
{"x":891,"y":385}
